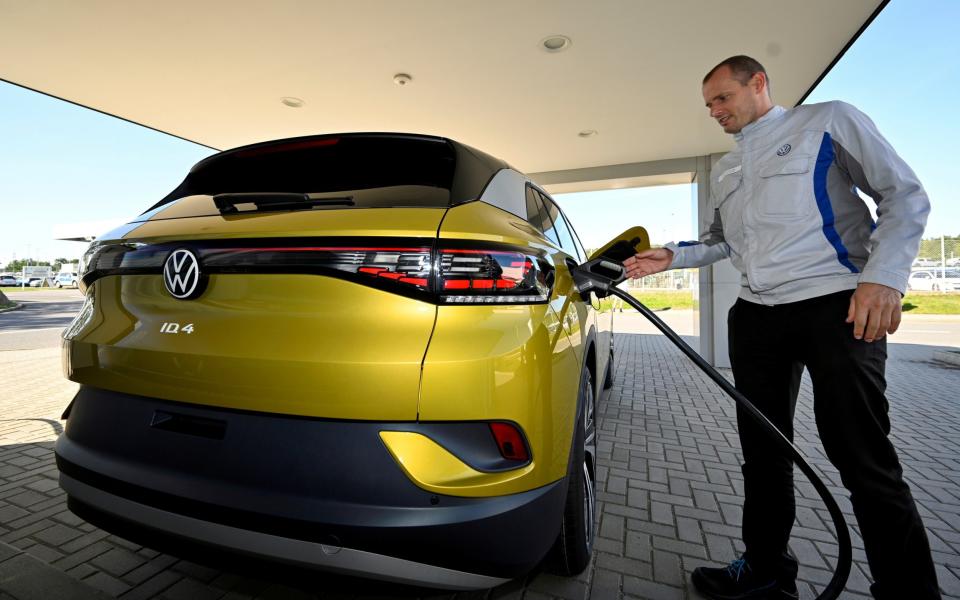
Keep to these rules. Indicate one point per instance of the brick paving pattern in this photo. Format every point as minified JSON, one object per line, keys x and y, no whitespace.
{"x":669,"y":499}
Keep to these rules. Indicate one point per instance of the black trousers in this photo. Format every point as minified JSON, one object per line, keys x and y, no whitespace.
{"x":769,"y":346}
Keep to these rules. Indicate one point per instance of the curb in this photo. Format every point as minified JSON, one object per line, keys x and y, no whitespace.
{"x":951,"y":357}
{"x":15,"y":306}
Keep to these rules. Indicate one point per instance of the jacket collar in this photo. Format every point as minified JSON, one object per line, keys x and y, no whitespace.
{"x":752,"y":129}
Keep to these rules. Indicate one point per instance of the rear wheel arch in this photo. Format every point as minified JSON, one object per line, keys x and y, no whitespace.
{"x":590,"y":362}
{"x":591,"y":366}
{"x":573,"y":547}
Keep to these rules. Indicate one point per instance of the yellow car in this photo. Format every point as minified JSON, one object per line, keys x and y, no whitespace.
{"x":360,"y":353}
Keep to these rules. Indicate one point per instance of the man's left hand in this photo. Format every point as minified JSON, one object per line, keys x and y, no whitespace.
{"x":874,"y":311}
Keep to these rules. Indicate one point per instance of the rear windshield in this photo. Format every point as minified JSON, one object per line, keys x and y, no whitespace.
{"x":395,"y":171}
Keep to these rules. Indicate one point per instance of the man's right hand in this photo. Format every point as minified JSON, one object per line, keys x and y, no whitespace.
{"x":648,"y":262}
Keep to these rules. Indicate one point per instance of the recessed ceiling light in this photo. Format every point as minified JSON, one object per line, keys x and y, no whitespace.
{"x":555,"y":43}
{"x":292,"y":102}
{"x":402,"y":79}
{"x":587,"y":133}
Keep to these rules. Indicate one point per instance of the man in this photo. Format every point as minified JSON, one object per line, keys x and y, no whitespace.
{"x":821,"y":287}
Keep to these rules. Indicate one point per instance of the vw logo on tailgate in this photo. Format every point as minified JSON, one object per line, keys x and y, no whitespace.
{"x":181,"y":275}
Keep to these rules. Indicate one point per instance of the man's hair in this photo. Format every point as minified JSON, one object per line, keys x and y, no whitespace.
{"x":742,"y":67}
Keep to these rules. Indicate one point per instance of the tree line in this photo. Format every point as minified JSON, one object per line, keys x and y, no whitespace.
{"x":15,"y":266}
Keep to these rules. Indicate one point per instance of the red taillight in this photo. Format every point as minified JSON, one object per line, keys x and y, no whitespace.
{"x":407,"y":265}
{"x":510,"y":442}
{"x":450,"y":275}
{"x":418,"y":281}
{"x":493,"y":276}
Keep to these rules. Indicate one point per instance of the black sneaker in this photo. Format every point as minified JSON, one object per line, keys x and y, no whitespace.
{"x":737,"y":581}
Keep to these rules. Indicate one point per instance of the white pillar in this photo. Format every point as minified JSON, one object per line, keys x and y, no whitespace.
{"x":719,"y":282}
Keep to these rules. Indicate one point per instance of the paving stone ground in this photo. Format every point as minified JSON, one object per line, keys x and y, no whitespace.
{"x":670,"y":491}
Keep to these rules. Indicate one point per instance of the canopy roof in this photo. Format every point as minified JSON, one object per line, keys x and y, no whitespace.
{"x":215,"y":72}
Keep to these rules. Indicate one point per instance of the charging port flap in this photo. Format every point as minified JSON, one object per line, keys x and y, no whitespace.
{"x":624,"y":245}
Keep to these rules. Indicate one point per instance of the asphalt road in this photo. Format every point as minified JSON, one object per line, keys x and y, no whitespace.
{"x":40,"y":321}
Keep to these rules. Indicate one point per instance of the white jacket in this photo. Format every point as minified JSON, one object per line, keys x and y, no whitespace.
{"x":787,"y":214}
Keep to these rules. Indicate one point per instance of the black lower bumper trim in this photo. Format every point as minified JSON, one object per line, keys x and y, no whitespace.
{"x":221,"y":546}
{"x":303,"y":480}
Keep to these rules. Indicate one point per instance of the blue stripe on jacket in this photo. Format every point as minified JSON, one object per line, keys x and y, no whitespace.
{"x":824,"y":160}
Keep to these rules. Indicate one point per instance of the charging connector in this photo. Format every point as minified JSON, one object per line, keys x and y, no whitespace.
{"x":598,"y":276}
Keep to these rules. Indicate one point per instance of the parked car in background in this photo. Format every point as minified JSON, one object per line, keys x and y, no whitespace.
{"x":66,"y":280}
{"x":935,"y":280}
{"x":8,"y":280}
{"x":358,"y":352}
{"x":35,"y":282}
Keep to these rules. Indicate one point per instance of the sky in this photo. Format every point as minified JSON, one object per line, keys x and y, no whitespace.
{"x":60,"y":163}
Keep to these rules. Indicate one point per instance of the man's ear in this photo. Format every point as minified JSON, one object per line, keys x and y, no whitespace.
{"x":759,"y":80}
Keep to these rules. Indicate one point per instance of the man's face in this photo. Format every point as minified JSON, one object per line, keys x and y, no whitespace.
{"x":731,"y":103}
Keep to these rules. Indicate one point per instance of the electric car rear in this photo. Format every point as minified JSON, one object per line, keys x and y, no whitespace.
{"x":360,"y":353}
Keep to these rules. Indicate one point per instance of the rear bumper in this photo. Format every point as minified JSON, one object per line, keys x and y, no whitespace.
{"x":324,"y":494}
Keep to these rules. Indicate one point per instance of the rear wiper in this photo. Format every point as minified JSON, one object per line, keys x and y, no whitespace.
{"x":268,"y":201}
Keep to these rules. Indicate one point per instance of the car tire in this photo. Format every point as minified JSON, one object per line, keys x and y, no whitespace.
{"x":608,"y":377}
{"x":574,"y":546}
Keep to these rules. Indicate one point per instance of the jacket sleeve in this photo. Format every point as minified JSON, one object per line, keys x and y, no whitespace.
{"x":711,"y":248}
{"x":902,"y":204}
